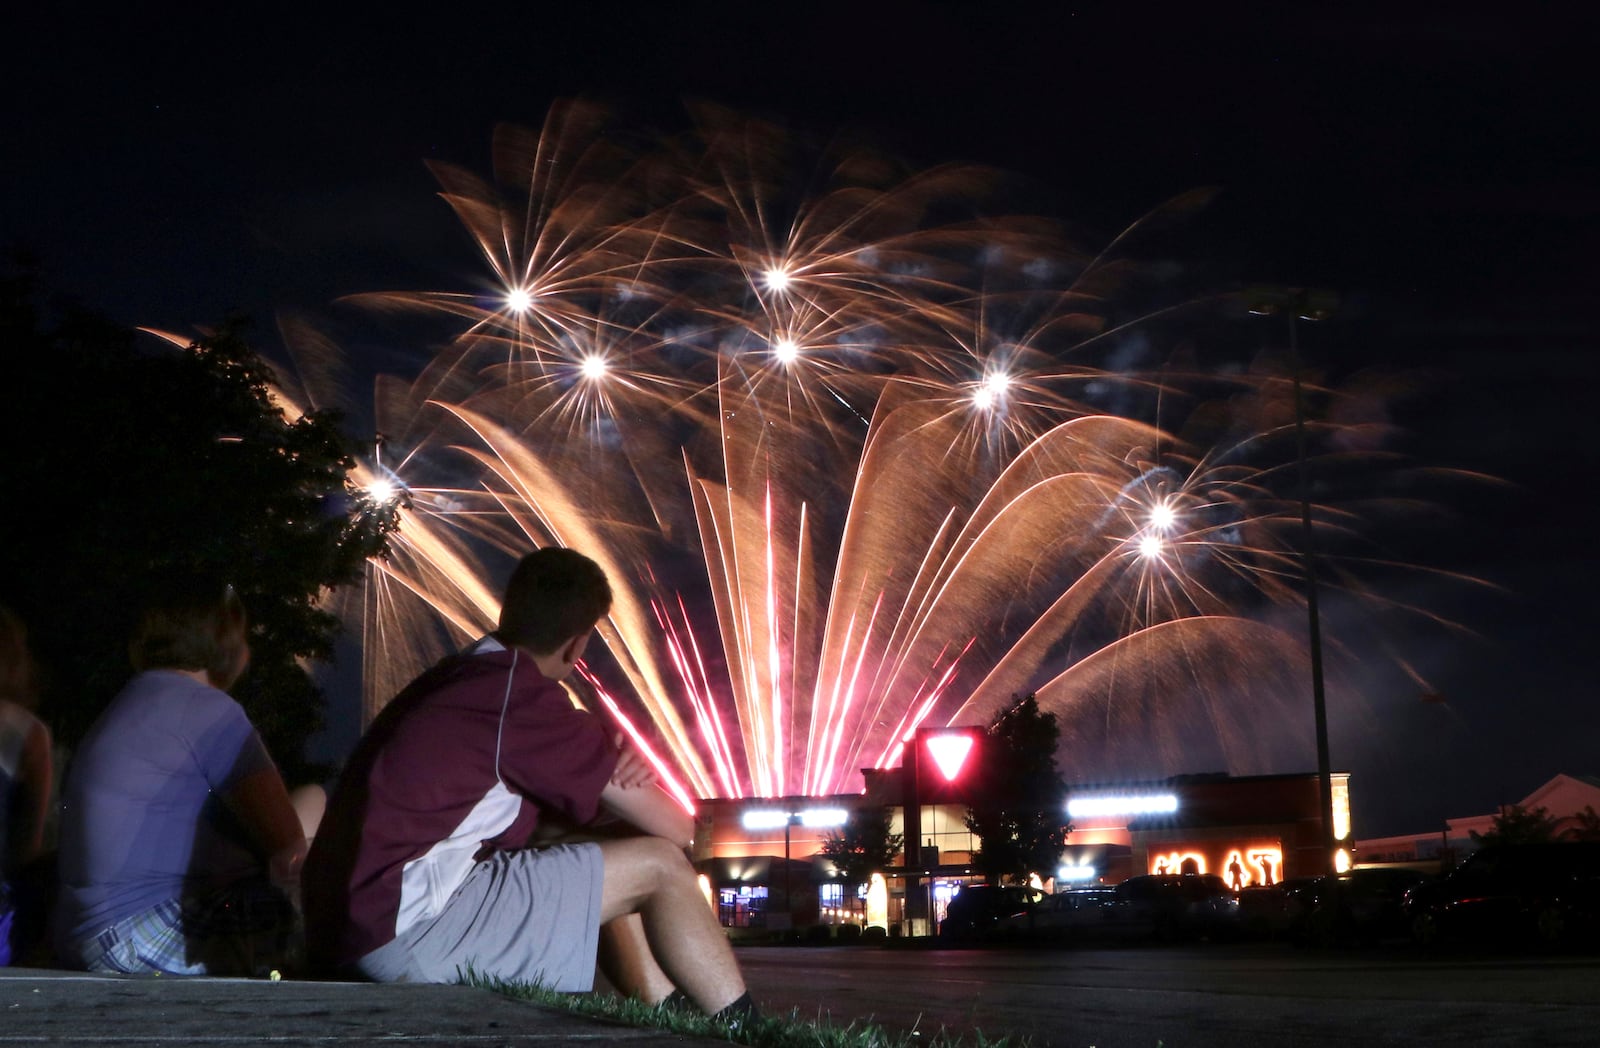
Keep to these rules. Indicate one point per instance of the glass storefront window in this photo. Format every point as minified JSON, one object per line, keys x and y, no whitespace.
{"x":742,"y":907}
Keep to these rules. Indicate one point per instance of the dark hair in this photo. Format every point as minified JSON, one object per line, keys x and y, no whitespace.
{"x":554,"y":594}
{"x":191,"y":624}
{"x":17,"y":677}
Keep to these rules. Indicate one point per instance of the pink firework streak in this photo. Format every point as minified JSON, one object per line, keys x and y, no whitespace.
{"x":917,"y":713}
{"x":669,"y":781}
{"x":698,"y":688}
{"x":774,"y":662}
{"x":841,"y":703}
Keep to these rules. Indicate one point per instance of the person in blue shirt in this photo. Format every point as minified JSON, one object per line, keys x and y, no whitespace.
{"x":180,"y":844}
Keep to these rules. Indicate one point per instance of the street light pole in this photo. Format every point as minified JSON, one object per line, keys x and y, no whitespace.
{"x":1313,"y":305}
{"x":788,"y":899}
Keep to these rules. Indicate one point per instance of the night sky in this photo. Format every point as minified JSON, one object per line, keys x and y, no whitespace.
{"x":1440,"y":171}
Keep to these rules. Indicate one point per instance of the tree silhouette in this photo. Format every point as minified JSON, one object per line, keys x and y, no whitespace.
{"x":1019,"y":817}
{"x":1518,"y":825}
{"x":130,"y":462}
{"x":863,"y":845}
{"x":1585,"y":825}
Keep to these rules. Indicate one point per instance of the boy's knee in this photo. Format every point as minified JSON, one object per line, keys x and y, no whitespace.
{"x":666,"y":859}
{"x":645,"y":866}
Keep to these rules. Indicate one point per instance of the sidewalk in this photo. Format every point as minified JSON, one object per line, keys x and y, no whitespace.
{"x":54,"y":1007}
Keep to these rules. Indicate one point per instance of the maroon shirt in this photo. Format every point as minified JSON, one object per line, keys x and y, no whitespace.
{"x":424,"y":796}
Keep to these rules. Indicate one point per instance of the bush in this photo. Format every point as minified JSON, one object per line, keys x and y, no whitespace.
{"x":818,"y":935}
{"x":850,"y":933}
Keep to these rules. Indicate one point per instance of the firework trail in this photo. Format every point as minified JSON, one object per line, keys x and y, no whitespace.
{"x":833,"y":444}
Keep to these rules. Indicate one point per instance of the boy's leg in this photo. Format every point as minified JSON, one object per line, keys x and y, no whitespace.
{"x":648,"y":876}
{"x":626,"y":960}
{"x":526,"y":915}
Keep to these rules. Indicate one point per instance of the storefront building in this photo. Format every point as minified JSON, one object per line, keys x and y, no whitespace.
{"x":763,"y":861}
{"x":1569,"y":800}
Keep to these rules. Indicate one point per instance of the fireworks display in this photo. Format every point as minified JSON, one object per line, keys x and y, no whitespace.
{"x":845,"y":450}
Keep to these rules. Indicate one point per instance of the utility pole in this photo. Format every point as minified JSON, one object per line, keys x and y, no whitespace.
{"x":1311,"y":305}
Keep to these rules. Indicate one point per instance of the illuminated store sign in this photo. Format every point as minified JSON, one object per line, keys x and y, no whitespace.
{"x":1122,"y":804}
{"x":1241,"y":865}
{"x":1178,"y":862}
{"x":815,"y":818}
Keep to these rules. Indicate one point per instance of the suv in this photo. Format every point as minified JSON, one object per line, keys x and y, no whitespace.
{"x":1277,"y":911}
{"x":978,"y":909}
{"x":1173,"y":906}
{"x":1547,"y":892}
{"x":1061,"y":917}
{"x":1362,"y":906}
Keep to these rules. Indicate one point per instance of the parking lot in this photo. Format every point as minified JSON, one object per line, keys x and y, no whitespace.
{"x":1193,"y":994}
{"x":1529,"y":897}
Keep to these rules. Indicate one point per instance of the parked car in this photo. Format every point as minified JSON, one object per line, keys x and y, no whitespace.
{"x":1276,"y":911}
{"x":1060,"y":917}
{"x":1172,"y":906}
{"x":1361,"y":906}
{"x":978,"y":910}
{"x":1546,"y":893}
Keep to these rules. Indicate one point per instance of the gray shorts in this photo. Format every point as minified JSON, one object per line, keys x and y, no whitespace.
{"x":531,"y":915}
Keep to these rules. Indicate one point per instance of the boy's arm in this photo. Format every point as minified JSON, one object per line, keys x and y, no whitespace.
{"x":632,"y":769}
{"x":651,"y":809}
{"x":631,"y":803}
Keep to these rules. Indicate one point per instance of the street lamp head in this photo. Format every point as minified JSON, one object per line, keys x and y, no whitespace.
{"x":1313,"y":304}
{"x":1264,"y":300}
{"x":1316,"y":304}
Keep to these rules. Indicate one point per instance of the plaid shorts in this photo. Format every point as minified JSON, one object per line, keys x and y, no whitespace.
{"x":248,"y":929}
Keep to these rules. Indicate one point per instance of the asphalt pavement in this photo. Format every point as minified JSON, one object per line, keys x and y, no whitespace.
{"x":55,"y":1007}
{"x":1194,"y":995}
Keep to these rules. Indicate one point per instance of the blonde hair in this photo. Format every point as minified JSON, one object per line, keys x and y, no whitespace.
{"x":191,"y":624}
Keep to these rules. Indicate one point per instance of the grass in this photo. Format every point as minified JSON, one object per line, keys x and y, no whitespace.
{"x":770,"y":1032}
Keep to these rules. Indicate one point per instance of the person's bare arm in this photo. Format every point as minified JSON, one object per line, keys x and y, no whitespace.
{"x":651,"y":809}
{"x":632,"y":772}
{"x":632,"y":768}
{"x":26,"y":840}
{"x":261,"y":802}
